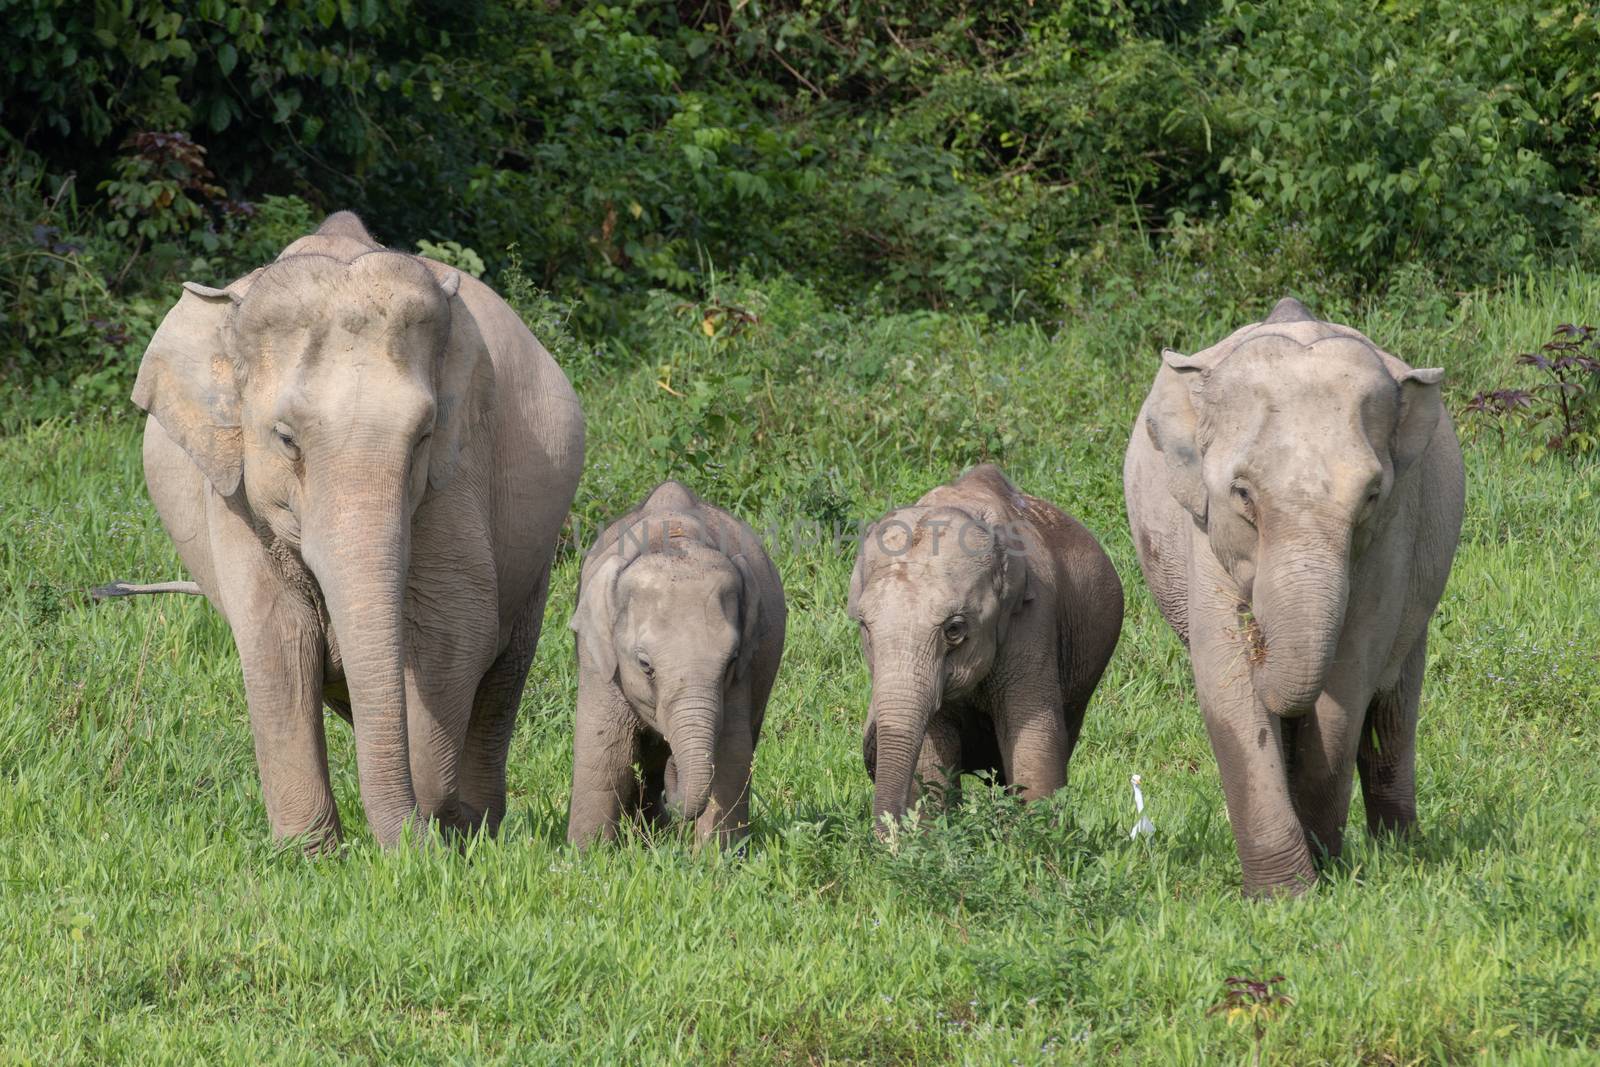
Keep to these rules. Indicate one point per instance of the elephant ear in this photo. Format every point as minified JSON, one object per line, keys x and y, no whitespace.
{"x":1172,"y":421}
{"x":1420,"y":410}
{"x":1011,"y":580}
{"x":596,"y":614}
{"x":464,"y":383}
{"x":186,"y":381}
{"x":751,"y":630}
{"x":858,"y":576}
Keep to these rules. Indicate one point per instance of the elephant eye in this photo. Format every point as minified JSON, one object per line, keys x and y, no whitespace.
{"x":1241,"y":493}
{"x":286,"y":440}
{"x":646,"y":666}
{"x":1371,"y":504}
{"x":955,"y":629}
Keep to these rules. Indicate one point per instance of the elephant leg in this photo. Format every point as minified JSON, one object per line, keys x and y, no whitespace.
{"x":482,"y":773}
{"x":281,"y":650}
{"x":451,"y":639}
{"x":1387,"y":757}
{"x":283,"y":686}
{"x":1247,"y":742}
{"x":1323,"y":757}
{"x":604,"y":747}
{"x":1034,"y":743}
{"x":438,"y":706}
{"x":727,"y":815}
{"x":1273,"y":856}
{"x":938,"y":776}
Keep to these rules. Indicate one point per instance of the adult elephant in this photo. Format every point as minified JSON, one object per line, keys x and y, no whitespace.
{"x":1295,"y":495}
{"x":364,"y":460}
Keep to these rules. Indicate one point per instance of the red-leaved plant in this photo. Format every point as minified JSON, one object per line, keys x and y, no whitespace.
{"x":1570,"y":364}
{"x":1255,"y":1000}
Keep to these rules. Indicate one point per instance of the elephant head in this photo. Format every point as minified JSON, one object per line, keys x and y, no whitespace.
{"x":327,"y":395}
{"x":1284,"y":444}
{"x":933,"y":592}
{"x":676,"y":628}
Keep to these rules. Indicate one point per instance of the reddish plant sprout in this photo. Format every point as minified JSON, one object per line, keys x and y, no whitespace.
{"x":1570,"y":364}
{"x":1255,"y":1000}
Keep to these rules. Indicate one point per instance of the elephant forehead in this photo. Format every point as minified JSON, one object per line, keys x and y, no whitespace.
{"x":926,"y":533}
{"x":932,"y":587}
{"x":686,"y":573}
{"x":690,"y":609}
{"x":311,"y":291}
{"x":1328,"y":385}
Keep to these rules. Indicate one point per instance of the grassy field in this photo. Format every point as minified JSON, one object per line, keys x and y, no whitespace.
{"x":146,"y":916}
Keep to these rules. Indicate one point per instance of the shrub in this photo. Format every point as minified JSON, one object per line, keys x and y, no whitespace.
{"x":78,"y":301}
{"x":1567,"y":397}
{"x":1414,"y":135}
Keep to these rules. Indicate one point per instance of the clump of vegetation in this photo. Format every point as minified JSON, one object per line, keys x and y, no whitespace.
{"x":1256,"y":1001}
{"x":1255,"y":639}
{"x":1565,"y":404}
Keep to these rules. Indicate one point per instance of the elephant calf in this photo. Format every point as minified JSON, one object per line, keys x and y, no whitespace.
{"x":680,"y":624}
{"x":987,"y":617}
{"x":1295,"y":494}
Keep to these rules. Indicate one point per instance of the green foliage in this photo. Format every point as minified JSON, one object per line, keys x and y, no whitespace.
{"x":64,"y":335}
{"x":1438,"y":132}
{"x":1017,"y":159}
{"x":259,"y":231}
{"x":454,"y":253}
{"x":285,"y":83}
{"x":161,"y":188}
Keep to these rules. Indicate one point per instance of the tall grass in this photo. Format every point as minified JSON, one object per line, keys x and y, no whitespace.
{"x":148,"y":918}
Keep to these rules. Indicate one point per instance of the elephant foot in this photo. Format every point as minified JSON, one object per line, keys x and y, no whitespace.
{"x":1299,"y":886}
{"x":1325,"y":846}
{"x":456,"y":821}
{"x":316,"y":843}
{"x":1388,"y":817}
{"x":1289,"y":873}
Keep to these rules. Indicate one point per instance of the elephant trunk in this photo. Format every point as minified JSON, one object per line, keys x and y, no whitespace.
{"x":905,"y":692}
{"x":694,"y":717}
{"x":1300,"y":595}
{"x":357,"y":543}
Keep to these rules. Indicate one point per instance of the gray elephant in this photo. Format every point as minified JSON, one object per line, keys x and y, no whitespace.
{"x":680,"y":624}
{"x":364,"y":460}
{"x":987,"y":617}
{"x":1295,"y":495}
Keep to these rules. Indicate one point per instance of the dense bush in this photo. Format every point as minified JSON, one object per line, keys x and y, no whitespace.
{"x":1017,"y":158}
{"x":1448,"y":130}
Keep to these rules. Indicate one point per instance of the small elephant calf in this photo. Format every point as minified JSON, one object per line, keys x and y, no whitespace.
{"x":680,"y":624}
{"x":987,"y":617}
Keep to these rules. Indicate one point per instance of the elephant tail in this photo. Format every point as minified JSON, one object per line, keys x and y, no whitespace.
{"x":117,"y":589}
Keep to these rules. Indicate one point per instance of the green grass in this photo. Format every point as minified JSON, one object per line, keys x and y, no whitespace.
{"x":147,"y":918}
